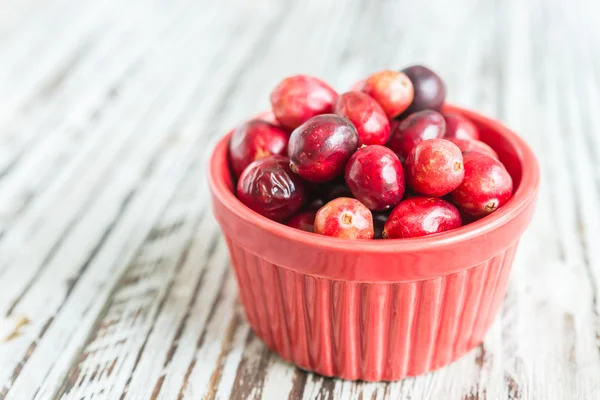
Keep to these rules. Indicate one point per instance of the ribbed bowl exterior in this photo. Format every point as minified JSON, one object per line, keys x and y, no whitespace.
{"x":370,"y":331}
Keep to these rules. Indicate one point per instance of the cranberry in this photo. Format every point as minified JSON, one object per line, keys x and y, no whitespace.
{"x":357,"y":86}
{"x":366,"y":114}
{"x":304,"y":221}
{"x":375,"y":176}
{"x":459,"y":127}
{"x":345,"y":218}
{"x":434,"y":167}
{"x":487,"y":185}
{"x":429,"y":89}
{"x":468,"y":145}
{"x":319,"y":148}
{"x":334,"y":190}
{"x":268,"y":187}
{"x":379,"y":220}
{"x":391,"y":89}
{"x":421,"y":216}
{"x":299,"y":98}
{"x":254,"y":140}
{"x":422,"y":125}
{"x":315,"y":204}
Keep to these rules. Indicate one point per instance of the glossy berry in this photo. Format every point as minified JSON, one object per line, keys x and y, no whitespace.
{"x":417,"y":127}
{"x":434,"y":167}
{"x":304,"y":221}
{"x":379,"y":220}
{"x":459,"y":127}
{"x":421,"y":216}
{"x":429,"y":89}
{"x":486,"y":187}
{"x":254,"y":140}
{"x":366,"y":114}
{"x":345,"y":218}
{"x":319,"y":148}
{"x":468,"y":145}
{"x":269,"y":187}
{"x":299,"y":98}
{"x":391,"y":89}
{"x":375,"y":176}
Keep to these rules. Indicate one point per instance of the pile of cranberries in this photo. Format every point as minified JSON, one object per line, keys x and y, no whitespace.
{"x":380,"y":161}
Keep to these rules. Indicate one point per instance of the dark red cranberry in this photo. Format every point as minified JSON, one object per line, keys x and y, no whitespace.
{"x":486,"y":187}
{"x":333,"y":190}
{"x":391,"y":89}
{"x":366,"y":114}
{"x":375,"y":176}
{"x":299,"y":98}
{"x":421,"y":216}
{"x":304,"y":221}
{"x":429,"y":89}
{"x":422,"y":125}
{"x":345,"y":218}
{"x":467,"y":146}
{"x":319,"y":148}
{"x":459,"y":127}
{"x":379,"y":220}
{"x":315,"y":204}
{"x":434,"y":167}
{"x":269,"y":187}
{"x":254,"y":140}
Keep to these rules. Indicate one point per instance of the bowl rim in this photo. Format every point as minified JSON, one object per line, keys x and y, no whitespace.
{"x":522,"y":197}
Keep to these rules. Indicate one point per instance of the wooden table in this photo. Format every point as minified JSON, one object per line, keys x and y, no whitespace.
{"x":114,"y":278}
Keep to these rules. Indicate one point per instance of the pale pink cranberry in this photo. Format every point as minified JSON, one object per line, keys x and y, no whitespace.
{"x":345,"y":218}
{"x":434,"y":167}
{"x":391,"y":89}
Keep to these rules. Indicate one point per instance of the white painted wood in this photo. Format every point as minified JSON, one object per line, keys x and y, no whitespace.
{"x":114,"y":280}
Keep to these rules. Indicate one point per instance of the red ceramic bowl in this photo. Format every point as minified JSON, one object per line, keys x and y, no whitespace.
{"x":379,"y":309}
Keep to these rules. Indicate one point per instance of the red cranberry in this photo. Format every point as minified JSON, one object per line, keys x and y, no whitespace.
{"x":345,"y":218}
{"x":319,"y":148}
{"x":391,"y":89}
{"x":268,"y":187}
{"x":459,"y":127}
{"x":429,"y":89}
{"x":487,"y":185}
{"x":421,"y":216}
{"x":299,"y":98}
{"x":254,"y":140}
{"x":434,"y":167}
{"x":379,"y":220}
{"x":375,"y":176}
{"x":422,"y":125}
{"x":467,"y":146}
{"x":366,"y":114}
{"x":304,"y":221}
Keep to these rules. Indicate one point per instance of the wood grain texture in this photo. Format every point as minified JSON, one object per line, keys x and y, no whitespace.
{"x":114,"y":278}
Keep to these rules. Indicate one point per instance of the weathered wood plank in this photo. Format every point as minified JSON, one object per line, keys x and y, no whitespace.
{"x":97,"y":225}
